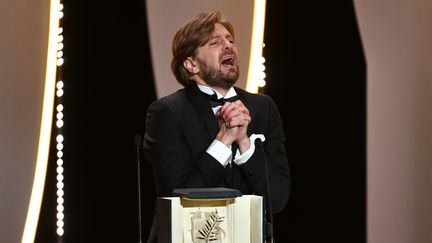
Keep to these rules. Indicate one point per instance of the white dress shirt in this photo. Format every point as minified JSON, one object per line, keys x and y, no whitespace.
{"x":220,"y":151}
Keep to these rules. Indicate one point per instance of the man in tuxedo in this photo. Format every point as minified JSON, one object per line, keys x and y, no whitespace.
{"x":210,"y":133}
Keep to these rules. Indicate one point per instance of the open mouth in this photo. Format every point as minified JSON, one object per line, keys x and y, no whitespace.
{"x":228,"y":61}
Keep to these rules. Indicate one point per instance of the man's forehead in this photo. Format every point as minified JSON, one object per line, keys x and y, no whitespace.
{"x":220,"y":31}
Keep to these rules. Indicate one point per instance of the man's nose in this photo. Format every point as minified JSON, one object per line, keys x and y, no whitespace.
{"x":228,"y":44}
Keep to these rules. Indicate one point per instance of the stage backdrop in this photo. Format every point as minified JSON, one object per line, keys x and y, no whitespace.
{"x":23,"y":46}
{"x":397,"y":38}
{"x":166,"y":16}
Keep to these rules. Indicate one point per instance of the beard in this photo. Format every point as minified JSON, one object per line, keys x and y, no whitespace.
{"x":216,"y":77}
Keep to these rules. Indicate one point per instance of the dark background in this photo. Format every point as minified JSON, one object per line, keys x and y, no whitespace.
{"x":315,"y":72}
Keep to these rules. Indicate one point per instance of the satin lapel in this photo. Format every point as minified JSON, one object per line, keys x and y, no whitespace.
{"x":242,"y":96}
{"x":201,"y":103}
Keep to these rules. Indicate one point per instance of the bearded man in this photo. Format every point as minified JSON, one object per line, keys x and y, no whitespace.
{"x":205,"y":134}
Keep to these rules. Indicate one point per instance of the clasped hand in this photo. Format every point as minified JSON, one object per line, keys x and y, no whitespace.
{"x":233,"y":120}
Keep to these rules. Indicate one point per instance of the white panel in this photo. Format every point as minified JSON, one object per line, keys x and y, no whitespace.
{"x":165,"y":17}
{"x":23,"y":45}
{"x":397,"y":38}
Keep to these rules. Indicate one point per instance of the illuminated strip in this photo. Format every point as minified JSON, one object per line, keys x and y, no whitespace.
{"x":45,"y":130}
{"x":59,"y":136}
{"x":256,"y":60}
{"x":60,"y":169}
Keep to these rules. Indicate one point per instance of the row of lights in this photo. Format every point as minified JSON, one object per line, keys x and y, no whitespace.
{"x":256,"y":75}
{"x":261,"y":73}
{"x":59,"y":125}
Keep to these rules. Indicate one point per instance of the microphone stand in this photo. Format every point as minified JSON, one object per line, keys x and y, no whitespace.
{"x":138,"y":150}
{"x":269,"y":225}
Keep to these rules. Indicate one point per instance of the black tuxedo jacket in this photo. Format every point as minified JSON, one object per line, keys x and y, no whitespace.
{"x":179,"y":129}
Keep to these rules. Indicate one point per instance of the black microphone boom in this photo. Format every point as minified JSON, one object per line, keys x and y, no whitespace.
{"x":269,"y":225}
{"x":138,"y":142}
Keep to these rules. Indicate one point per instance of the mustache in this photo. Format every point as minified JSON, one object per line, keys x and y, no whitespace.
{"x":227,"y":52}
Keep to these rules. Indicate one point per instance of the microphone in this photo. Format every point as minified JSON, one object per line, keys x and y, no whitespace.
{"x":268,"y":225}
{"x":138,"y":142}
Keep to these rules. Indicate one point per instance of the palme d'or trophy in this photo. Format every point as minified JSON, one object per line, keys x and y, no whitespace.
{"x":210,"y":215}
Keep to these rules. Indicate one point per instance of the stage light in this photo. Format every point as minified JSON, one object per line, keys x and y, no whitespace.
{"x":60,"y":185}
{"x":60,"y":208}
{"x":256,"y":46}
{"x":60,"y":200}
{"x":60,"y":108}
{"x":59,"y":138}
{"x":59,"y":123}
{"x":59,"y":116}
{"x":59,"y":154}
{"x":60,"y":216}
{"x":60,"y":223}
{"x":59,"y":162}
{"x":60,"y":84}
{"x":60,"y":46}
{"x":60,"y":177}
{"x":59,"y":93}
{"x":261,"y":83}
{"x":59,"y":146}
{"x":60,"y":193}
{"x":60,"y":61}
{"x":60,"y":231}
{"x":60,"y":170}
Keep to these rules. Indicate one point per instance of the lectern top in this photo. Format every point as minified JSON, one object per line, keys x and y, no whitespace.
{"x":207,"y":193}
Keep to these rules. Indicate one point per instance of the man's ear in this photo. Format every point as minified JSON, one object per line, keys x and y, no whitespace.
{"x":191,"y":65}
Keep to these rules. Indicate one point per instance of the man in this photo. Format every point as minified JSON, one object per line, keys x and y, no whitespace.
{"x":192,"y":141}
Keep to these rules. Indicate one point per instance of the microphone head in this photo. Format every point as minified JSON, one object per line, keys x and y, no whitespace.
{"x":259,"y":140}
{"x":138,"y":140}
{"x":259,"y":143}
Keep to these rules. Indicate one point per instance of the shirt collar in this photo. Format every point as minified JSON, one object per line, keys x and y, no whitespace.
{"x":209,"y":90}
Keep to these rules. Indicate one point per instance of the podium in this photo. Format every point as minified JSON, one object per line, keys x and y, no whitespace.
{"x":210,"y":215}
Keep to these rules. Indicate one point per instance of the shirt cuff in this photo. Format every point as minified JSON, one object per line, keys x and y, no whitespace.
{"x":220,"y":152}
{"x":240,"y":159}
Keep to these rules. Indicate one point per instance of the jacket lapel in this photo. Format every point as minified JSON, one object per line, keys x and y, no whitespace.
{"x":201,"y":103}
{"x":241,"y":94}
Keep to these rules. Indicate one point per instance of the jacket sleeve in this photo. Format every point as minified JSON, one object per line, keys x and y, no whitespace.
{"x":272,"y":153}
{"x":174,"y":165}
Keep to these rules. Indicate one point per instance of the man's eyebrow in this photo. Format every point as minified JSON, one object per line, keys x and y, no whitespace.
{"x":220,"y":36}
{"x":215,"y":36}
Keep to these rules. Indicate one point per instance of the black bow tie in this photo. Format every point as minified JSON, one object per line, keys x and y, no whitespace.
{"x":214,"y":101}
